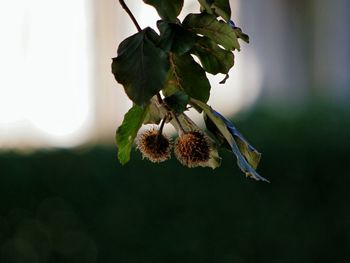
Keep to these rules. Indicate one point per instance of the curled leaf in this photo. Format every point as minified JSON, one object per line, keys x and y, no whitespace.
{"x":247,"y":157}
{"x":208,"y":25}
{"x":249,"y":152}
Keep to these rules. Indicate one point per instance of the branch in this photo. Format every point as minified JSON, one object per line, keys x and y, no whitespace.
{"x":126,"y":8}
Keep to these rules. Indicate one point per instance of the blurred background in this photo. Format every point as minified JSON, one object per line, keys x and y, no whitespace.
{"x":65,"y":198}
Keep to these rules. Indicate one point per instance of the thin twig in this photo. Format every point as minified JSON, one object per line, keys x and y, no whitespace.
{"x":126,"y":8}
{"x":178,"y":123}
{"x":160,"y":101}
{"x":162,"y":126}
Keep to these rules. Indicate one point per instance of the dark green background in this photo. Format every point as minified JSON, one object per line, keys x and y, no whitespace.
{"x":82,"y":206}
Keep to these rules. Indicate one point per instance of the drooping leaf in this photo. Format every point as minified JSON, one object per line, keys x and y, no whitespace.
{"x":175,"y":38}
{"x":141,"y":66}
{"x":249,"y":152}
{"x":241,"y":35}
{"x":187,"y":75}
{"x":177,"y":102}
{"x":213,"y":58}
{"x":127,"y":132}
{"x":167,"y":9}
{"x":247,"y":157}
{"x":238,"y":31}
{"x":209,"y":26}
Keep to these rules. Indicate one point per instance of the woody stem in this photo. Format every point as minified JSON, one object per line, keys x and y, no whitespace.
{"x":126,"y":8}
{"x":162,"y":126}
{"x":178,"y":122}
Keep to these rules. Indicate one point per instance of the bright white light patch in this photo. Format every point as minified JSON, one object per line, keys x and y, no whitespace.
{"x":44,"y":88}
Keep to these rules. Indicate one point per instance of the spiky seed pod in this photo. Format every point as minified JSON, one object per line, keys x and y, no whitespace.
{"x":154,"y":146}
{"x":192,"y":149}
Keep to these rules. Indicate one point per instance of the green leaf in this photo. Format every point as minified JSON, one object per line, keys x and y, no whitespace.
{"x":241,"y":35}
{"x":178,"y":101}
{"x":218,"y":7}
{"x":141,"y":66}
{"x":188,"y":76}
{"x":213,"y":58}
{"x":127,"y":132}
{"x":167,"y":9}
{"x":206,"y":5}
{"x":222,"y":8}
{"x":209,"y":26}
{"x":171,"y":87}
{"x":247,"y":157}
{"x":175,"y":38}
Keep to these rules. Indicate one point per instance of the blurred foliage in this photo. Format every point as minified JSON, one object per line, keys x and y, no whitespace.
{"x":82,"y":206}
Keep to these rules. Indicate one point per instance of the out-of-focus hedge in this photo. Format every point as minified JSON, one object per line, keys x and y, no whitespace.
{"x":81,"y":206}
